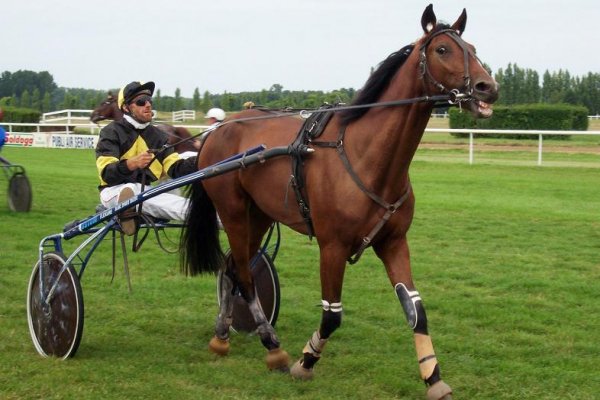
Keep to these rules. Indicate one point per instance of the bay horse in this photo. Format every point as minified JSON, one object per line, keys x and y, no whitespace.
{"x":357,"y":190}
{"x":178,"y":136}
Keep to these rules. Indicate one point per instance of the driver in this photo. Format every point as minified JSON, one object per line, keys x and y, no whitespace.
{"x":125,"y":161}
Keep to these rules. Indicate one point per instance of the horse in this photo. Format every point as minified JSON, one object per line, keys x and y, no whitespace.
{"x":179,"y":137}
{"x":357,"y":190}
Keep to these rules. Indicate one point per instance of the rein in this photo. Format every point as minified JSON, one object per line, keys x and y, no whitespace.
{"x":452,"y":97}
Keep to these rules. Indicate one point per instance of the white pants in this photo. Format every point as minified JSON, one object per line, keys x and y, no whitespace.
{"x":188,"y":154}
{"x":165,"y":206}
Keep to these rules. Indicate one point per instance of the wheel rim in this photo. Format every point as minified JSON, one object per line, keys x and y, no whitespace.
{"x":19,"y":193}
{"x":56,"y":327}
{"x":266,"y":282}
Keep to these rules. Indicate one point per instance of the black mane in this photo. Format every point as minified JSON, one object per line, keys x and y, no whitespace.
{"x":376,"y":83}
{"x":380,"y":79}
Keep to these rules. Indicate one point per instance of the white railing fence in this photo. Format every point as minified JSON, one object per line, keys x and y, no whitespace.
{"x":19,"y":134}
{"x":66,"y":116}
{"x":183,"y":115}
{"x":83,"y":116}
{"x":540,"y":134}
{"x":445,"y":115}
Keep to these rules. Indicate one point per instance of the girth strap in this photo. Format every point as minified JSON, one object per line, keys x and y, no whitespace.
{"x":389,"y":207}
{"x":312,"y":128}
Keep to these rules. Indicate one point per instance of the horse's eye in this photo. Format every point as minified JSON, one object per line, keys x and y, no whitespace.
{"x":441,"y":50}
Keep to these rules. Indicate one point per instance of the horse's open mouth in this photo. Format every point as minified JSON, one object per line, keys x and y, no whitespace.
{"x":480,"y":109}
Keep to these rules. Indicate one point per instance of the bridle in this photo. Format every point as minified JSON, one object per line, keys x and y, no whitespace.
{"x":426,"y":73}
{"x":99,"y":116}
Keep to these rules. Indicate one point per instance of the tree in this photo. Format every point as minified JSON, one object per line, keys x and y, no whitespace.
{"x":25,"y":99}
{"x":157,"y":100}
{"x":16,"y":83}
{"x":207,"y":103}
{"x":196,"y":101}
{"x":36,"y":100}
{"x":518,"y":85}
{"x":46,"y":102}
{"x":178,"y":100}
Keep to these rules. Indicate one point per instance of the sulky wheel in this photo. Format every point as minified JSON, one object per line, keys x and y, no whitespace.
{"x":266,"y":282}
{"x":19,"y":193}
{"x":55,"y":327}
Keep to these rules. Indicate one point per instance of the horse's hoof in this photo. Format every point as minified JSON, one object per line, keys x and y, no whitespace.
{"x":299,"y":372}
{"x":278,"y":359}
{"x":439,"y":391}
{"x":219,"y":346}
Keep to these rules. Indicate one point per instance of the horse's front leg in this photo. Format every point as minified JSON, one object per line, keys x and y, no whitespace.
{"x":333,"y":264}
{"x":396,"y":258}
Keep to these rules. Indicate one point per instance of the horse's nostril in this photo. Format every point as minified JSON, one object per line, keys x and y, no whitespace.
{"x":483,"y":86}
{"x":486,"y":90}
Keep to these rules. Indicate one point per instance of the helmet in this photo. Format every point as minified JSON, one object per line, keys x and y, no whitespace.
{"x":216,"y":113}
{"x":132,"y":89}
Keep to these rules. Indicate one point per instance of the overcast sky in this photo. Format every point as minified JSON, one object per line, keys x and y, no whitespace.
{"x":249,"y":45}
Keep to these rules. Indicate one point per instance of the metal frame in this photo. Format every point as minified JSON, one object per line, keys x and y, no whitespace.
{"x":53,"y":243}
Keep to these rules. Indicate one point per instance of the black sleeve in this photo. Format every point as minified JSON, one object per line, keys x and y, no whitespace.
{"x":183,"y":167}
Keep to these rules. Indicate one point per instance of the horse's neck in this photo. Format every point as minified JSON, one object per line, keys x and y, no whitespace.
{"x":117,"y":113}
{"x":387,"y":137}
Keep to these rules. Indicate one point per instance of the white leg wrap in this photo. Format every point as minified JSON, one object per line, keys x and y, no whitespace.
{"x":333,"y":307}
{"x":315,"y":345}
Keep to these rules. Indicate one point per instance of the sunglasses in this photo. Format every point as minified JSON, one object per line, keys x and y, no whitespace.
{"x":141,"y":101}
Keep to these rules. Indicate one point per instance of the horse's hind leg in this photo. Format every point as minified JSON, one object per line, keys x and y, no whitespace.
{"x":397,"y":262}
{"x":245,"y":239}
{"x":219,"y":344}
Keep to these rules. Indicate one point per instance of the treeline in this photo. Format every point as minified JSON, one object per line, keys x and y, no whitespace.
{"x":37,"y":90}
{"x":523,"y":86}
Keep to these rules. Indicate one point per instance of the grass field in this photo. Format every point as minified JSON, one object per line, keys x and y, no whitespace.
{"x":506,"y":258}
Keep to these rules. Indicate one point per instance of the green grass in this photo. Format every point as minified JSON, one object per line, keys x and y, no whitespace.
{"x":504,"y":256}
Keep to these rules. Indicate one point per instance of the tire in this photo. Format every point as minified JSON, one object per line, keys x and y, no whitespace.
{"x":19,"y":193}
{"x":266,"y":282}
{"x":55,"y":328}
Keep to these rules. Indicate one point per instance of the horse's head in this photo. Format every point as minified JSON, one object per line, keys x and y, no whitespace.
{"x":448,"y":65}
{"x":108,"y":109}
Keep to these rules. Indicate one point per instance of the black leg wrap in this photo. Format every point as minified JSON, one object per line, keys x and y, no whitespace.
{"x":413,"y":308}
{"x":267,"y":336}
{"x":309,"y":360}
{"x":435,"y":376}
{"x":330,"y":321}
{"x":421,"y":326}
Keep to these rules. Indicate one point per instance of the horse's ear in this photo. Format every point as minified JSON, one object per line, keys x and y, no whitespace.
{"x":428,"y":19}
{"x":461,"y":22}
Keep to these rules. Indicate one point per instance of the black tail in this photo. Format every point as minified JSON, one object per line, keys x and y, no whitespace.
{"x":200,"y":238}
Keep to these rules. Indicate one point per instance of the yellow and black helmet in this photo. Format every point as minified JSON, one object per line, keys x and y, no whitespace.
{"x":132,"y":89}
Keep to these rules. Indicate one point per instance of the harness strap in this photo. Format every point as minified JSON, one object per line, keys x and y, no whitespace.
{"x":366,"y":242}
{"x":389,"y":207}
{"x":312,"y":128}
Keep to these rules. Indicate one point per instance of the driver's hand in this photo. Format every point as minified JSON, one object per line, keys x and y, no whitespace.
{"x":140,"y":161}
